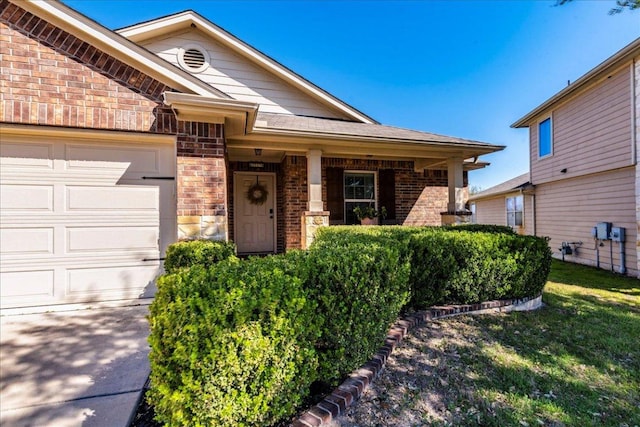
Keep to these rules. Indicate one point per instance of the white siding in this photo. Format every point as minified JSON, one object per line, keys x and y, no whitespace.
{"x":567,"y":211}
{"x":240,"y":78}
{"x":591,"y":133}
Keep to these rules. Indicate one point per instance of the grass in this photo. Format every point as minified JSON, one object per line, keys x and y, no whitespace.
{"x":575,"y":362}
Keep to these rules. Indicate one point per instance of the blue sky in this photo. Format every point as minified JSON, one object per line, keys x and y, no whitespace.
{"x":461,"y":68}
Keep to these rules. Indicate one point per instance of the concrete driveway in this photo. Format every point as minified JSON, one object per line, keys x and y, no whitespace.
{"x":73,"y":368}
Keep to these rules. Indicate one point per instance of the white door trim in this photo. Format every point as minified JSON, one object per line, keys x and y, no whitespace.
{"x":275,"y":203}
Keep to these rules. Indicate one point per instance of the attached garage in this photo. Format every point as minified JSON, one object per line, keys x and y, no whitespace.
{"x":85,"y":216}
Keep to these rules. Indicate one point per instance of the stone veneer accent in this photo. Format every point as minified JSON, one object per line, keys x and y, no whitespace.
{"x":455,"y":218}
{"x":311,"y":221}
{"x":50,"y":77}
{"x":352,"y":389}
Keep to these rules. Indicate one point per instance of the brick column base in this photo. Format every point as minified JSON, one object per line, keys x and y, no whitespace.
{"x":452,"y":218}
{"x":311,"y":221}
{"x":202,"y":227}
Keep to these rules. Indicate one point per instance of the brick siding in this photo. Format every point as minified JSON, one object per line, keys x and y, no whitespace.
{"x":295,"y":194}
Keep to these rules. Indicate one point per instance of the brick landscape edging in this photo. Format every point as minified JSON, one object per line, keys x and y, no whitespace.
{"x":351,"y":389}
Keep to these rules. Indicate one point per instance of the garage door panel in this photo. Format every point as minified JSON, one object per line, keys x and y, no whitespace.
{"x":31,"y":156}
{"x":27,"y":197}
{"x":138,"y":160}
{"x":19,"y":286}
{"x":120,"y":281}
{"x":117,"y":198}
{"x":23,"y":241}
{"x":125,"y":239}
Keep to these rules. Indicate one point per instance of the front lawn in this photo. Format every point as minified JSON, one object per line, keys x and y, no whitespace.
{"x":575,"y":362}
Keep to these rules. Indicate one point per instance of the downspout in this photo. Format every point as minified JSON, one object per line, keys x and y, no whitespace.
{"x":635,"y":123}
{"x":533,"y":213}
{"x":634,"y":115}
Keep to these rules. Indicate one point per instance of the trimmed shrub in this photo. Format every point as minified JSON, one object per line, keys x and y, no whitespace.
{"x":197,"y":252}
{"x":360,"y":281}
{"x":241,"y":342}
{"x":469,"y":267}
{"x":232,"y":344}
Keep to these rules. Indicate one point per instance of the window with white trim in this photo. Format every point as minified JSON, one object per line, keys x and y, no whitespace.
{"x":359,"y":190}
{"x":515,"y":211}
{"x":545,"y":138}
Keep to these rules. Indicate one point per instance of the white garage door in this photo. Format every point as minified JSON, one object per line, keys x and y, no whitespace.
{"x":83,"y":221}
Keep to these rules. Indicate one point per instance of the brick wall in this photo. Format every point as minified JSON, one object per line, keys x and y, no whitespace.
{"x":50,"y":77}
{"x":294,"y":193}
{"x":201,"y":186}
{"x":420,"y":196}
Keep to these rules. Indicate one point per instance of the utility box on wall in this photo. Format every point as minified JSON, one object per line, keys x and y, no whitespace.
{"x":603,"y":230}
{"x":617,"y":234}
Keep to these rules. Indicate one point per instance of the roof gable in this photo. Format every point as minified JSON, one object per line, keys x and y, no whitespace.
{"x":241,"y":71}
{"x":119,"y":47}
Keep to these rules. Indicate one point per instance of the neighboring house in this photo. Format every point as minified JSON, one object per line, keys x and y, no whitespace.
{"x":116,"y":144}
{"x":584,"y":144}
{"x":509,"y":203}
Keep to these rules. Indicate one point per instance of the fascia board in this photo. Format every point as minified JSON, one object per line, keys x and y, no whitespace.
{"x":473,"y":148}
{"x":117,"y":46}
{"x":360,"y":146}
{"x":184,"y":20}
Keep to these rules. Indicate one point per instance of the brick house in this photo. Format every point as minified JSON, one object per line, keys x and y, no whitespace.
{"x":116,"y":144}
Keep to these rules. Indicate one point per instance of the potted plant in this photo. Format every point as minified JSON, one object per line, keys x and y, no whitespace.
{"x":368,"y":215}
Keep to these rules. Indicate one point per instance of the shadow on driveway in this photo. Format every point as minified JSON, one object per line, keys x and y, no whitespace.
{"x":73,"y":368}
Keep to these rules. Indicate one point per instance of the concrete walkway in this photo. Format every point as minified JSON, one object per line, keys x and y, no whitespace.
{"x":73,"y":368}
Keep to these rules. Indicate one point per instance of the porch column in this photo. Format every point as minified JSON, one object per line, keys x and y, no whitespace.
{"x":315,"y":216}
{"x":456,"y":185}
{"x":314,"y":180}
{"x":456,"y":213}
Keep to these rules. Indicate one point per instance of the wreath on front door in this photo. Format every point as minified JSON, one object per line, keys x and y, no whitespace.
{"x":257,"y":194}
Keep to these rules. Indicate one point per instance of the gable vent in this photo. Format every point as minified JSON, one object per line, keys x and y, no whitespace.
{"x":193,"y":59}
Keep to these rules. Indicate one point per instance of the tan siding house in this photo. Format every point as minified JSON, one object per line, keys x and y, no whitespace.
{"x":509,"y":203}
{"x":584,"y":170}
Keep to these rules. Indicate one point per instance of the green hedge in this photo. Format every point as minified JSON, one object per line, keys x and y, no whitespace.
{"x":197,"y":252}
{"x":465,"y":267}
{"x":360,"y":282}
{"x":240,"y":342}
{"x":231,"y":344}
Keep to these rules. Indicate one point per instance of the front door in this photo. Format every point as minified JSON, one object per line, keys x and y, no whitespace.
{"x":255,"y":223}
